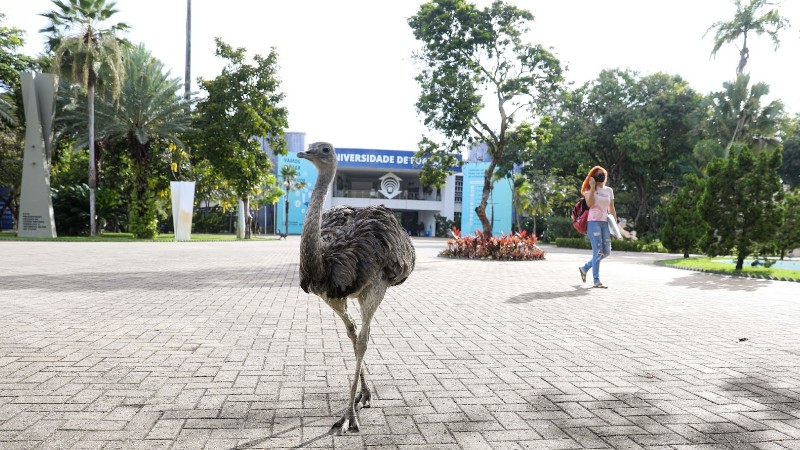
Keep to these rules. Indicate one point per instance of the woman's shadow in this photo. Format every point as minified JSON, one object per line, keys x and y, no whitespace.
{"x":528,"y":297}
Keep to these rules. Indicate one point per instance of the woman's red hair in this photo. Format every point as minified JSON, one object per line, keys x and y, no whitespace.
{"x":592,"y":173}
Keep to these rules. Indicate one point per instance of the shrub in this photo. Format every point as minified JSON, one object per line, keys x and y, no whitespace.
{"x":554,"y":227}
{"x":143,"y":215}
{"x":210,"y":220}
{"x":513,"y":247}
{"x":618,"y":245}
{"x":443,"y":225}
{"x":71,"y":210}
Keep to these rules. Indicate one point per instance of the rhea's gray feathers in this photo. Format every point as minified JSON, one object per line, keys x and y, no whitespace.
{"x":359,"y":246}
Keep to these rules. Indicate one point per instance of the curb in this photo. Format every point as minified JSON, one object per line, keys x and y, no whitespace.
{"x":738,"y":275}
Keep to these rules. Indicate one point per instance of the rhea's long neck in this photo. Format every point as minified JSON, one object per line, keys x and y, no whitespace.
{"x":310,"y":242}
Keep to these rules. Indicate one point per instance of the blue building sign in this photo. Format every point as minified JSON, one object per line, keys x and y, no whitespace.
{"x":380,"y":159}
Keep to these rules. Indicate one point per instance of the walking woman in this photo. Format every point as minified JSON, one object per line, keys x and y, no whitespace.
{"x":600,"y":199}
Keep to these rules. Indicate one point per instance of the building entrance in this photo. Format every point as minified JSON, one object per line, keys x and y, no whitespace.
{"x":410,"y":221}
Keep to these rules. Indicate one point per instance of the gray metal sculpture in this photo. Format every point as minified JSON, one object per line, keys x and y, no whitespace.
{"x":355,"y":253}
{"x":35,"y":204}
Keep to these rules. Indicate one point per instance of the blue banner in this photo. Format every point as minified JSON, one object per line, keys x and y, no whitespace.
{"x":298,"y":199}
{"x":498,"y":209}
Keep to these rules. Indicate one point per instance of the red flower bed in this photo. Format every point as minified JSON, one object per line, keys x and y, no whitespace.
{"x":512,"y":247}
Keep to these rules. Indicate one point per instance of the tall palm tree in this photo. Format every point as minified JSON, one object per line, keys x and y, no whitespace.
{"x":289,"y":176}
{"x":150,"y":110}
{"x":92,"y":54}
{"x":748,"y":18}
{"x":738,"y":115}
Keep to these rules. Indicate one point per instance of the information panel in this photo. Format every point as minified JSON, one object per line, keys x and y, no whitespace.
{"x":499,"y":201}
{"x":298,"y":199}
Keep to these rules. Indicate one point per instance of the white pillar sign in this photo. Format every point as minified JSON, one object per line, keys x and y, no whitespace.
{"x":182,"y":208}
{"x":36,"y":206}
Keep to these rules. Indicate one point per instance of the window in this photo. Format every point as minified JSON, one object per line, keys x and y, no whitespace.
{"x":459,"y":187}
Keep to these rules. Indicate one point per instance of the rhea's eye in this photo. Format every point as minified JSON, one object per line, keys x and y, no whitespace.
{"x":325,"y":150}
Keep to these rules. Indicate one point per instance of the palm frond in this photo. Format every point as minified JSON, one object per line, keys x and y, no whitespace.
{"x":7,"y":113}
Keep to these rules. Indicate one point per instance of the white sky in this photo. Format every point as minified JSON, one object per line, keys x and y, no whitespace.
{"x":346,"y":64}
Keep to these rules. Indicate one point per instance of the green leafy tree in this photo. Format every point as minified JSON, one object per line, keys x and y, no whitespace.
{"x":749,"y":17}
{"x":788,"y":237}
{"x":91,"y":53}
{"x":12,"y":130}
{"x":472,"y":58}
{"x":150,"y":113}
{"x":11,"y":146}
{"x":542,"y":192}
{"x":638,"y":128}
{"x":519,"y":188}
{"x":289,"y":178}
{"x":737,"y":116}
{"x":242,"y":104}
{"x":12,"y":62}
{"x":790,"y":169}
{"x":742,"y":203}
{"x":683,"y":225}
{"x":656,"y":142}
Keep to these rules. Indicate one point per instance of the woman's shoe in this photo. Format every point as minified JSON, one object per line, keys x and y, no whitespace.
{"x":600,"y":286}
{"x":583,"y":274}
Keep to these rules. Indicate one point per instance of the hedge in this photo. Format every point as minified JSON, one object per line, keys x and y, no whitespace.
{"x":619,"y":245}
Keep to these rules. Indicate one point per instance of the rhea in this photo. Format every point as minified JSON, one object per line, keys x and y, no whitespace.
{"x":350,"y":253}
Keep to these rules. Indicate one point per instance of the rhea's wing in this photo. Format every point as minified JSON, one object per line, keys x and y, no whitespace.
{"x":340,"y":263}
{"x":363,"y":246}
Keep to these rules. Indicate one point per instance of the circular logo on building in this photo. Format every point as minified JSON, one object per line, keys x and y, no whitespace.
{"x":390,"y":185}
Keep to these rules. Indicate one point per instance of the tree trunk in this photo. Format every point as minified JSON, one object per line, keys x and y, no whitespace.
{"x":248,"y":218}
{"x":481,"y":208}
{"x":744,"y":55}
{"x":740,"y":261}
{"x":92,"y":168}
{"x":286,"y":215}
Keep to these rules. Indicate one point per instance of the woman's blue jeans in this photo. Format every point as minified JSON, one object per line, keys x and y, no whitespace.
{"x":600,"y":237}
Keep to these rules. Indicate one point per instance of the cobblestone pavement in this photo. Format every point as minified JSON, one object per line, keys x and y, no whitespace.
{"x":214,"y":345}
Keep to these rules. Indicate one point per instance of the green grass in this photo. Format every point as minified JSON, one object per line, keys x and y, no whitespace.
{"x":128,"y":237}
{"x":708,"y":265}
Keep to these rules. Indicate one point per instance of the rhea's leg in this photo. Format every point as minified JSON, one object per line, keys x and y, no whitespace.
{"x":364,"y":396}
{"x":369,"y":304}
{"x":348,"y":420}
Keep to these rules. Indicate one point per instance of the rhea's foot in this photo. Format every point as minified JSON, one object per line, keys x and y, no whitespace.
{"x":348,"y":422}
{"x":364,"y":398}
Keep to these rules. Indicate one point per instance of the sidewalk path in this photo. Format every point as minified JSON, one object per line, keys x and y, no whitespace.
{"x":213,"y":345}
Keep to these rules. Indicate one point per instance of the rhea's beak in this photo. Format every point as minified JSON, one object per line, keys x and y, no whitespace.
{"x":302,"y":155}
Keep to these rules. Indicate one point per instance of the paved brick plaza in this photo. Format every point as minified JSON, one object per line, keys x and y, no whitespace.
{"x":214,"y":345}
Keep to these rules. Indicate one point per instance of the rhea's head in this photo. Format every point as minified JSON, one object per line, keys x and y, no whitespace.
{"x":321,"y":154}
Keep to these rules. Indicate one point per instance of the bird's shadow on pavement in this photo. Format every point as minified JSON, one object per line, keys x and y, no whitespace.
{"x":257,"y":442}
{"x":528,"y":297}
{"x":706,"y":282}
